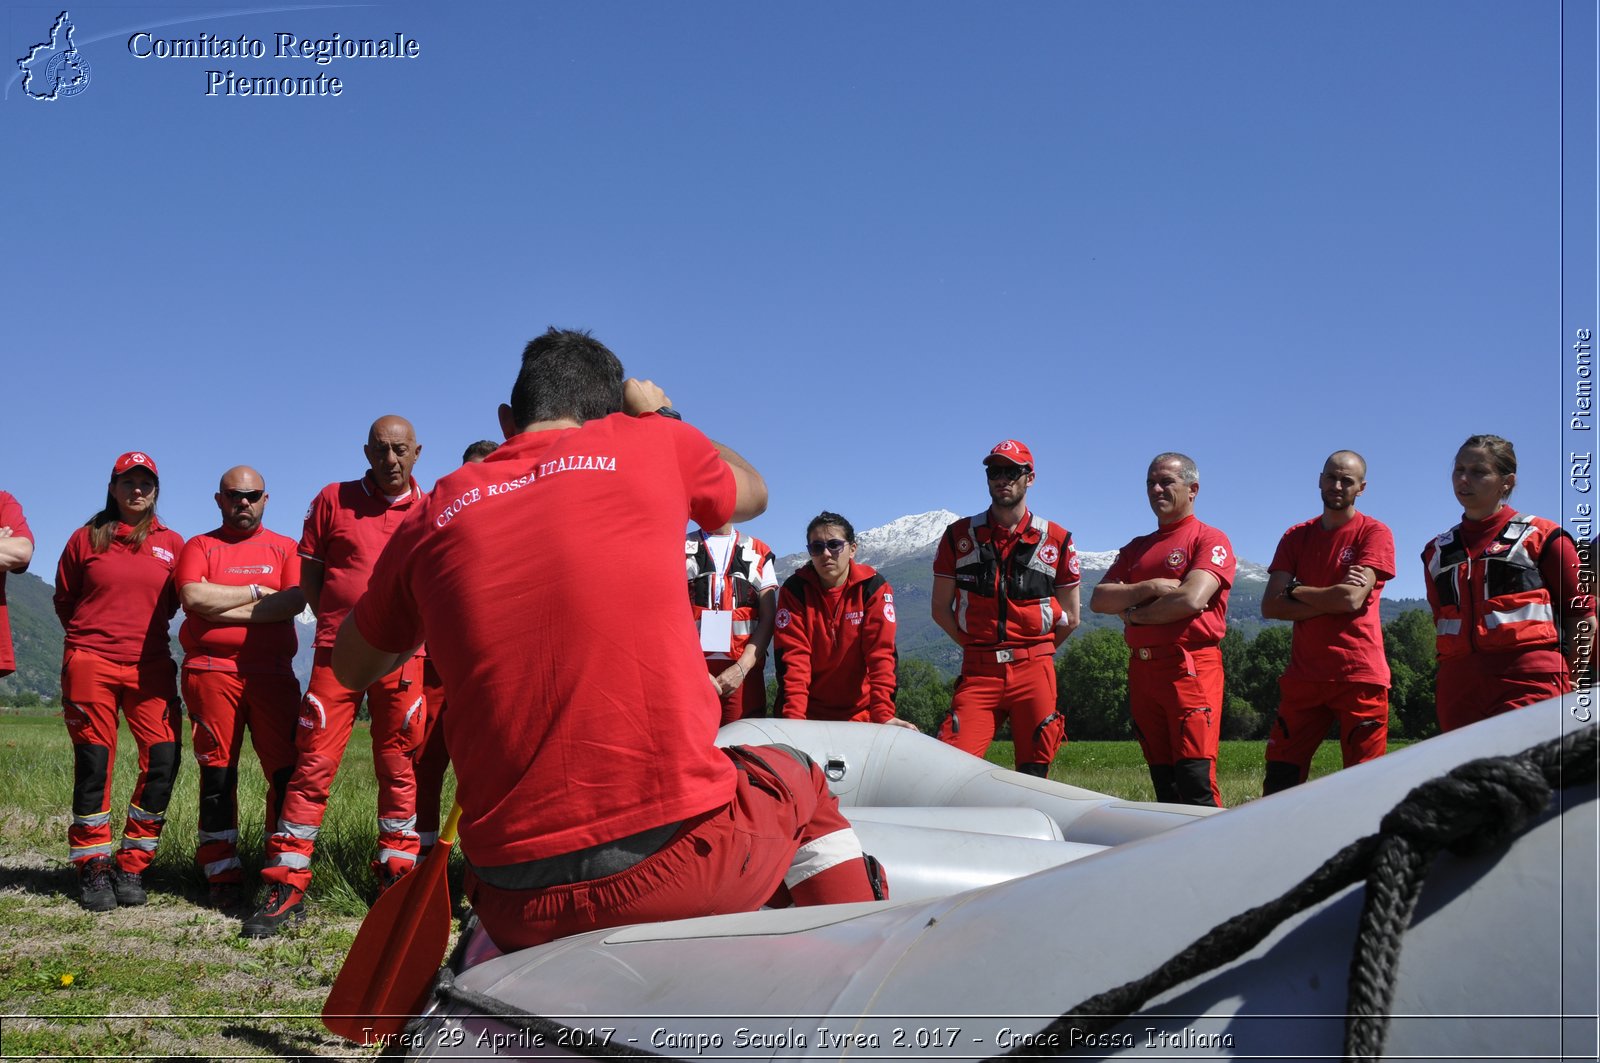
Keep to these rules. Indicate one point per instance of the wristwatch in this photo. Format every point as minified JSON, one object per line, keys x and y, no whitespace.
{"x":668,"y":411}
{"x":1291,"y":587}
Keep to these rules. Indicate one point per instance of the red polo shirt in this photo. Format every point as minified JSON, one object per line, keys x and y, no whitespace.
{"x":117,"y":603}
{"x":1346,"y":647}
{"x":346,"y":529}
{"x":10,"y":517}
{"x":549,"y":581}
{"x":236,"y":559}
{"x":1172,"y":552}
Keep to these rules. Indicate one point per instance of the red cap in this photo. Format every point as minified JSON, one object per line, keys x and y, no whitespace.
{"x":134,"y":459}
{"x":1012,"y":450}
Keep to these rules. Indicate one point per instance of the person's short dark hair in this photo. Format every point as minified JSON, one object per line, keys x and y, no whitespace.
{"x":825,"y":518}
{"x":479,"y":450}
{"x":566,"y":374}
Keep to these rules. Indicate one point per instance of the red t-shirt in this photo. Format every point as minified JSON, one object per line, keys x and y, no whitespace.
{"x":117,"y":604}
{"x":1345,"y":647}
{"x":346,"y":529}
{"x":1172,"y":552}
{"x":549,"y":581}
{"x":236,"y":559}
{"x":10,"y":517}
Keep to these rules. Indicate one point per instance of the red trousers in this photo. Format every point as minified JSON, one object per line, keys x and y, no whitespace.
{"x":746,"y":702}
{"x":1022,"y":691}
{"x":221,"y":706}
{"x":781,"y":839}
{"x":1307,"y":709}
{"x":1476,"y":687}
{"x":433,"y":759}
{"x":93,"y":689}
{"x":1175,"y":698}
{"x":327,"y":715}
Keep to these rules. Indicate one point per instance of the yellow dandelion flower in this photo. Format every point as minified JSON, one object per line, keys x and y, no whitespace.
{"x":65,"y":980}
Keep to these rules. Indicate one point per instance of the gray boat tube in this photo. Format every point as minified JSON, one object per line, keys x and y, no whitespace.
{"x":875,"y":765}
{"x":1499,"y":961}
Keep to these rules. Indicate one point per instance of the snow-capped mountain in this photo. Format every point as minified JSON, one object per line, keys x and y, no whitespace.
{"x":917,"y":535}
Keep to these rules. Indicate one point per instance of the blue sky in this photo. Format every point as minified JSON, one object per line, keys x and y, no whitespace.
{"x":858,"y":243}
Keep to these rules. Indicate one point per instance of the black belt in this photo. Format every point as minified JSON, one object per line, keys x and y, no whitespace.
{"x":580,"y":865}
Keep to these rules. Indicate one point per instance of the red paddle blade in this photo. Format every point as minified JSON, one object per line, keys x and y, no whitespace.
{"x":396,"y":953}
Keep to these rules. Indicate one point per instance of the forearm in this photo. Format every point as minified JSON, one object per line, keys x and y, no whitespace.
{"x":215,"y":599}
{"x":752,"y":488}
{"x":1071,"y":615}
{"x":1111,"y":598}
{"x":275,"y":607}
{"x":311,"y":573}
{"x":15,"y":553}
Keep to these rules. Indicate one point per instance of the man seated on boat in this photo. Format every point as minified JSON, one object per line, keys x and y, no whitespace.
{"x":548,"y":579}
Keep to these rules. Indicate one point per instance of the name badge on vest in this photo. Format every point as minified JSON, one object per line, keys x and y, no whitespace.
{"x":716,"y":630}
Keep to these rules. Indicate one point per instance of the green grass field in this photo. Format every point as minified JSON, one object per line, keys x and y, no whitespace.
{"x":175,"y":976}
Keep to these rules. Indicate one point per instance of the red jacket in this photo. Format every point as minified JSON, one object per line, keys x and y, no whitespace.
{"x":836,"y":662}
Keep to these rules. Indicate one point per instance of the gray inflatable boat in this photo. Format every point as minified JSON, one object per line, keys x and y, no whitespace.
{"x":1016,"y":900}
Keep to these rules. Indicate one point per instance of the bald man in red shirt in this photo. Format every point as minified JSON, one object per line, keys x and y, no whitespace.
{"x":240,"y":589}
{"x":346,"y":529}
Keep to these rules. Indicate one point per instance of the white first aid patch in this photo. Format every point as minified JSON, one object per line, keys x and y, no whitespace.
{"x":716,"y":630}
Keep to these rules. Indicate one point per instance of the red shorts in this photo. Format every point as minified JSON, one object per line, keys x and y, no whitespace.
{"x":1307,"y":709}
{"x":782,"y":834}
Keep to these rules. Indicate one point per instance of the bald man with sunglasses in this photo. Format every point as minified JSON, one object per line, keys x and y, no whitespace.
{"x":1006,"y":590}
{"x":240,"y":590}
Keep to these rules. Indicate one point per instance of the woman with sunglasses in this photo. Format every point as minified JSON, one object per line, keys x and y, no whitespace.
{"x":115,"y":597}
{"x":1513,"y":618}
{"x":834,"y":632}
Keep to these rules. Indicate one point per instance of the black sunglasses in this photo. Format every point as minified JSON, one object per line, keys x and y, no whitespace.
{"x":251,"y":497}
{"x":816,"y":546}
{"x":1005,"y":472}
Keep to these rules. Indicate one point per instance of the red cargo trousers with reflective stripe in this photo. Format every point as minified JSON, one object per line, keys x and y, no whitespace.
{"x":327,"y":715}
{"x":93,"y":689}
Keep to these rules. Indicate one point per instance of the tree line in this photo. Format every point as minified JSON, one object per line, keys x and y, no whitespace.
{"x":1092,"y":683}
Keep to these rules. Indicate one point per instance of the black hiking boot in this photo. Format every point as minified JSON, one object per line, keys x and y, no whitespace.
{"x":129,"y":888}
{"x":284,"y":904}
{"x":225,"y":897}
{"x":95,"y":891}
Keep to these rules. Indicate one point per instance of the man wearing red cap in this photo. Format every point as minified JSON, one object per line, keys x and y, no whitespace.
{"x":240,"y":589}
{"x":1006,"y":590}
{"x":1171,"y":589}
{"x":346,"y":529}
{"x":16,"y":550}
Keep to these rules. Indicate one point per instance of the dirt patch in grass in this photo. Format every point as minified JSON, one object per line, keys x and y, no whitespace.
{"x":171,"y":979}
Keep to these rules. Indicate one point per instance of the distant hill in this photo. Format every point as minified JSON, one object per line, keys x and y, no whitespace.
{"x":903,"y":550}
